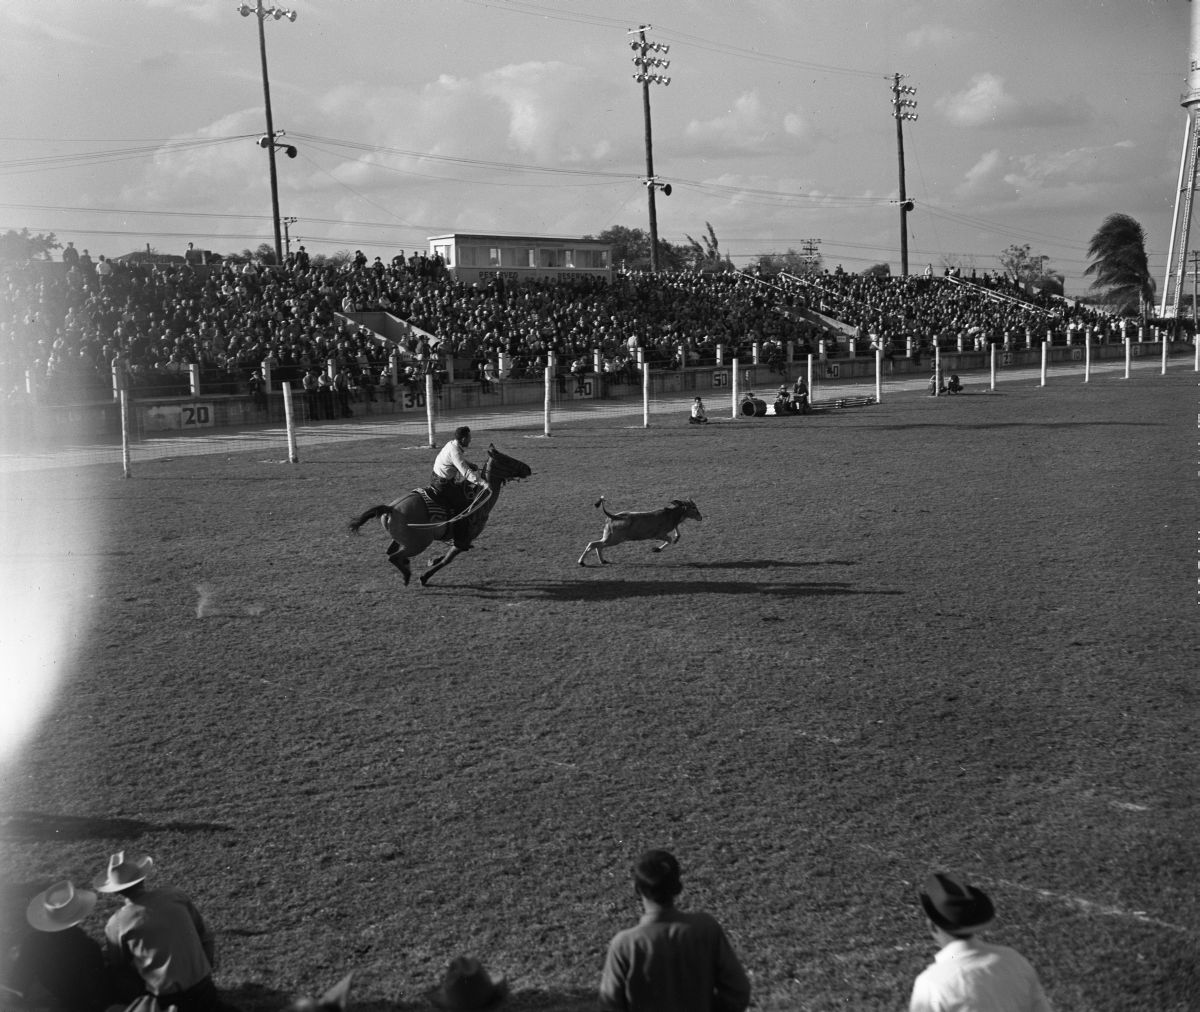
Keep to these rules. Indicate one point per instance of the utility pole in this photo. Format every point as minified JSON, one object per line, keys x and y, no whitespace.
{"x":268,"y":140}
{"x":645,"y":76}
{"x":903,"y":108}
{"x":287,"y":239}
{"x":811,"y":252}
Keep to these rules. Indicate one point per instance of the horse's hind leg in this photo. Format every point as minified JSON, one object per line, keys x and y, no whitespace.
{"x":439,"y":563}
{"x":398,"y":559}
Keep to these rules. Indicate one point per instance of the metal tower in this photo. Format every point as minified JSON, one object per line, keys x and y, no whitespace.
{"x":1181,"y":221}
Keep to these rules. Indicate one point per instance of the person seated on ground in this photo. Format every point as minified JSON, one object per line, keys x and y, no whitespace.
{"x":699,"y":415}
{"x":936,"y":383}
{"x":800,"y":395}
{"x":672,"y":960}
{"x":955,"y":385}
{"x":59,"y":957}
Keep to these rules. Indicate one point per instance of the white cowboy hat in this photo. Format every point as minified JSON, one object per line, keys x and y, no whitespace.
{"x":60,"y":907}
{"x":122,"y":873}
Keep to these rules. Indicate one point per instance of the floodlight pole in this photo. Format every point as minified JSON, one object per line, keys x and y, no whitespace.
{"x":268,"y":142}
{"x":902,"y":109}
{"x":643,"y":62}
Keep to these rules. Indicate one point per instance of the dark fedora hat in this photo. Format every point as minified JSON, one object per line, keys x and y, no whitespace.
{"x":467,"y":987}
{"x":955,"y":906}
{"x":657,"y":873}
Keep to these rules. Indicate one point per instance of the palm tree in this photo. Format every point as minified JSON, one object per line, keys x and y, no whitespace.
{"x":1119,"y":265}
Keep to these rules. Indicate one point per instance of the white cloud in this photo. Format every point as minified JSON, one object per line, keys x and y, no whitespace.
{"x":983,"y":102}
{"x":1072,"y":177}
{"x":749,"y":127}
{"x":935,"y":37}
{"x":986,"y":102}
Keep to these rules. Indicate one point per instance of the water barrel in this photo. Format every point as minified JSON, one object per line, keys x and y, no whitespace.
{"x":754,"y":406}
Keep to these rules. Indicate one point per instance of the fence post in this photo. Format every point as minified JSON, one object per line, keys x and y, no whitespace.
{"x":194,"y":378}
{"x":546,"y":406}
{"x":429,"y":407}
{"x":290,"y":422}
{"x":734,"y":389}
{"x":124,"y":402}
{"x":645,"y":394}
{"x":993,"y":387}
{"x":809,"y":380}
{"x":1045,"y":356}
{"x":1166,"y":341}
{"x":878,"y":375}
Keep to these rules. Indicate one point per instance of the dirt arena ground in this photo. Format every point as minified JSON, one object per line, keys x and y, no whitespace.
{"x":951,"y":633}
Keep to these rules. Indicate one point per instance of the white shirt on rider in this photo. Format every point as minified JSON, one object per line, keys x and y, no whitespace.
{"x":450,"y":459}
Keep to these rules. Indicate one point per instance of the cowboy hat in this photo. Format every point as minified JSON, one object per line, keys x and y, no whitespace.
{"x":333,"y":1000}
{"x":122,"y":873}
{"x":467,"y":987}
{"x":955,"y":906}
{"x":60,"y":907}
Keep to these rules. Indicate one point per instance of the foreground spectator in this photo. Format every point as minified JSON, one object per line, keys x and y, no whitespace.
{"x":468,"y":987}
{"x":59,"y":956}
{"x":157,"y":940}
{"x":968,"y":974}
{"x":671,"y":961}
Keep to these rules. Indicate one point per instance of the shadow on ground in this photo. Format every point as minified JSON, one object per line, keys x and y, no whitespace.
{"x":614,"y":590}
{"x":43,"y":827}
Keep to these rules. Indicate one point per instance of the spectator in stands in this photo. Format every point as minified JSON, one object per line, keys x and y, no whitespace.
{"x":312,"y":393}
{"x":58,"y":956}
{"x":968,"y":973}
{"x":699,"y":415}
{"x":341,"y":389}
{"x":671,"y":961}
{"x":157,"y":939}
{"x":258,"y":390}
{"x":70,"y":255}
{"x":325,"y":395}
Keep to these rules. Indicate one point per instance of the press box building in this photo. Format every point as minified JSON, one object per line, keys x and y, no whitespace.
{"x":473,"y":258}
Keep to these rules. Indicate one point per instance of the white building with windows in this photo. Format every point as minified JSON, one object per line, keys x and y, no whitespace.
{"x":472,"y":258}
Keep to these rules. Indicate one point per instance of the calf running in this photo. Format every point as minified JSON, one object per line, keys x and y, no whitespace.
{"x":651,"y":525}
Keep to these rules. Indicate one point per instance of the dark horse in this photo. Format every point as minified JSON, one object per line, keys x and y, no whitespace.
{"x":412,"y":529}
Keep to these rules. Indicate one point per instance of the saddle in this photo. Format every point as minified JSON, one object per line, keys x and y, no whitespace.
{"x":438,"y":514}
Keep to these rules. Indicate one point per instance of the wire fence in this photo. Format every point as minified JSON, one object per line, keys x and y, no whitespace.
{"x":282,"y":426}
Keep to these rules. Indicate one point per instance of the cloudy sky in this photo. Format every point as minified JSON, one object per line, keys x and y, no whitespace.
{"x":135,"y":122}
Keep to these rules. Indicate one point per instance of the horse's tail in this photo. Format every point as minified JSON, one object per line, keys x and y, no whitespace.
{"x":371,"y":514}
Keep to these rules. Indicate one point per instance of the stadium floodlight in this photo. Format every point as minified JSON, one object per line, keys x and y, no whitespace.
{"x":645,"y":64}
{"x":903,"y":109}
{"x":268,"y":140}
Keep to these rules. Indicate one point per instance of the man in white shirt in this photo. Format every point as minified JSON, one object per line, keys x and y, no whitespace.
{"x":453,"y":476}
{"x":967,"y":974}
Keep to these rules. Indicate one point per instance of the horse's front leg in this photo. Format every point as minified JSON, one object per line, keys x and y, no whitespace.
{"x":441,"y":562}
